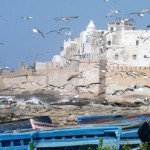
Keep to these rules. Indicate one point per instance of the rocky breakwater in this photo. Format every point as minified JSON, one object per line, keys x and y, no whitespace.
{"x":65,"y":113}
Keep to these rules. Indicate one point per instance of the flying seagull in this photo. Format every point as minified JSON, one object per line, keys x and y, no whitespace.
{"x":96,"y":96}
{"x":141,"y":13}
{"x":56,"y":86}
{"x":74,"y":76}
{"x":146,"y":38}
{"x":148,"y":26}
{"x":27,"y":18}
{"x":146,"y":10}
{"x":35,"y":56}
{"x":137,"y":13}
{"x":68,"y":33}
{"x":113,"y":11}
{"x":125,"y":19}
{"x":58,"y":31}
{"x":37,"y":31}
{"x":33,"y":83}
{"x":66,"y":19}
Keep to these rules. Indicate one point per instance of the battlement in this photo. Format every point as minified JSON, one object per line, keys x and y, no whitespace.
{"x":124,"y":68}
{"x":127,"y":23}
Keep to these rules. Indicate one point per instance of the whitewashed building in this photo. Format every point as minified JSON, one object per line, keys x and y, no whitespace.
{"x":120,"y":44}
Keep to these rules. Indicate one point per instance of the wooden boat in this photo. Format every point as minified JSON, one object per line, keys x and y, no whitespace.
{"x":23,"y":124}
{"x":62,"y":138}
{"x":131,"y":133}
{"x":90,"y":119}
{"x":70,"y":137}
{"x":41,"y":125}
{"x":111,"y":119}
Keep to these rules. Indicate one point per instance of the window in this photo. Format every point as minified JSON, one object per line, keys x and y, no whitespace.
{"x":102,"y":32}
{"x":137,"y":42}
{"x":78,"y":51}
{"x":111,"y":29}
{"x":88,"y":39}
{"x":109,"y":42}
{"x":134,"y":57}
{"x":116,"y":56}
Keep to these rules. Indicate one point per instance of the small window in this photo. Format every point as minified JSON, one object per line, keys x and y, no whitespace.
{"x":116,"y":56}
{"x":78,"y":51}
{"x":109,"y":42}
{"x":134,"y":57}
{"x":111,"y":29}
{"x":137,"y":42}
{"x":102,"y":32}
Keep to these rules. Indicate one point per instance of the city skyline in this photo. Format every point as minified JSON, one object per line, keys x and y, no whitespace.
{"x":19,"y":19}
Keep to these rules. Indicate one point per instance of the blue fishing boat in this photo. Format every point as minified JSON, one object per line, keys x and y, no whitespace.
{"x":71,"y":137}
{"x":62,"y":138}
{"x":115,"y":133}
{"x":129,"y":124}
{"x":23,"y":124}
{"x":113,"y":119}
{"x":90,"y":119}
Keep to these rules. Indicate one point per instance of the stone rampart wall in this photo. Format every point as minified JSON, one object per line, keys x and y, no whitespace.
{"x":113,"y":79}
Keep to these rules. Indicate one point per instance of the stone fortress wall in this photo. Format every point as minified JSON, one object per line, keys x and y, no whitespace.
{"x":110,"y":78}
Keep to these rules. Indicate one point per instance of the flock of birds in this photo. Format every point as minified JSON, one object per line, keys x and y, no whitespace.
{"x":79,"y":88}
{"x":58,"y":31}
{"x":87,"y":88}
{"x":109,"y":14}
{"x":68,"y":31}
{"x":61,"y":31}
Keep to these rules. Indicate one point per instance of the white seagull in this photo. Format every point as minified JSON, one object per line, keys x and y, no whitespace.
{"x":137,"y":13}
{"x":27,"y":18}
{"x":38,"y":31}
{"x":35,"y":56}
{"x":66,"y":19}
{"x":141,"y":13}
{"x":125,"y":19}
{"x":113,"y":11}
{"x":68,"y":33}
{"x":58,"y":31}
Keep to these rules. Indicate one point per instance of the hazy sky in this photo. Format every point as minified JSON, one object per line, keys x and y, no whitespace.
{"x":20,"y":43}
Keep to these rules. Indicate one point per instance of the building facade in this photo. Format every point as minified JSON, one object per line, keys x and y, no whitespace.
{"x":120,"y":44}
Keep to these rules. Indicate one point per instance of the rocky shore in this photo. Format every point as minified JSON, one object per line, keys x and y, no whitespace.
{"x":65,"y":113}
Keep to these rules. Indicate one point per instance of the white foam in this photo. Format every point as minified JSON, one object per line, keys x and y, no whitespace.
{"x":7,"y":98}
{"x":34,"y":100}
{"x":60,"y":101}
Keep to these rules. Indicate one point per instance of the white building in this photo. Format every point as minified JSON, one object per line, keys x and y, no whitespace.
{"x":120,"y":44}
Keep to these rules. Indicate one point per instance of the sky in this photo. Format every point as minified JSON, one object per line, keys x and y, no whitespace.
{"x":19,"y":43}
